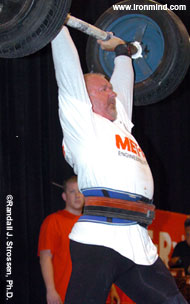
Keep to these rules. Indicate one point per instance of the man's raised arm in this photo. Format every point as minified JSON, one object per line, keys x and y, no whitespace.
{"x":122,"y":77}
{"x":68,"y":70}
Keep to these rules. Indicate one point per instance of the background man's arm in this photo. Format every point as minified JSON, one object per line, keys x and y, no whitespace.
{"x":115,"y":299}
{"x":173,"y":261}
{"x":48,"y":275}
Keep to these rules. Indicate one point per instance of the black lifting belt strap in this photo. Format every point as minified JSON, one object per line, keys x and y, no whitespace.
{"x":111,"y":207}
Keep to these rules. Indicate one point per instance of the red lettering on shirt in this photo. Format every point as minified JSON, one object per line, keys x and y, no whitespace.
{"x":140,"y":152}
{"x":133,"y":146}
{"x":129,"y":145}
{"x":121,"y":144}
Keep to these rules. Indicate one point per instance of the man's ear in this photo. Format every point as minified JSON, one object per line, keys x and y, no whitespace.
{"x":63,"y":196}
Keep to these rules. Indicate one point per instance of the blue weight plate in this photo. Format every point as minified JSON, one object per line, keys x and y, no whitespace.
{"x":137,"y":27}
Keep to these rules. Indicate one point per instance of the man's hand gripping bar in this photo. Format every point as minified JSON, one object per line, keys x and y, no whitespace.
{"x":99,"y":34}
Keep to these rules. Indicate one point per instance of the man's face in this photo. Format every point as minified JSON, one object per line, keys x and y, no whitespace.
{"x":102,"y":96}
{"x":187,"y":235}
{"x":73,"y":198}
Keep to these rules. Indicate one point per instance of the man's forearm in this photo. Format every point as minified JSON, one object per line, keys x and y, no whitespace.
{"x":122,"y":77}
{"x":123,"y":81}
{"x":52,"y":295}
{"x":47,"y":271}
{"x":174,"y":261}
{"x":68,"y":70}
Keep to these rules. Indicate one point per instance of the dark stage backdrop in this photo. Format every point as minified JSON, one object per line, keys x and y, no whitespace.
{"x":31,"y":154}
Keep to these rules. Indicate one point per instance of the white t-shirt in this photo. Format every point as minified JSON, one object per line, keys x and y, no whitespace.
{"x":102,"y":153}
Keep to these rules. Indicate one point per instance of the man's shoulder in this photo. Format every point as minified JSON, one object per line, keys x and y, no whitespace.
{"x":54,"y":216}
{"x":181,"y":244}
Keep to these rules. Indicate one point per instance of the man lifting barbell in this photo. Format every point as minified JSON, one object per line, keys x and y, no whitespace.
{"x":110,"y":242}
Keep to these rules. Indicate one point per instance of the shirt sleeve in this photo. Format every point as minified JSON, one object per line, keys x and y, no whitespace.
{"x":48,"y":235}
{"x":177,"y":251}
{"x":122,"y":81}
{"x":75,"y":109}
{"x":68,"y":70}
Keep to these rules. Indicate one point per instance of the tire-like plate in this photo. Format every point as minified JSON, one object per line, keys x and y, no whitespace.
{"x":165,"y":43}
{"x":28,"y":25}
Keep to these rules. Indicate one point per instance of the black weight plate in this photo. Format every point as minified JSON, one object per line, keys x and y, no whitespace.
{"x":28,"y":25}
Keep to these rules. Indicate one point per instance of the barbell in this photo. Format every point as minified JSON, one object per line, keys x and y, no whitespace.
{"x":161,"y":40}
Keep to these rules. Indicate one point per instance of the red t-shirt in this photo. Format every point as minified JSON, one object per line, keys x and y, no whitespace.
{"x":54,"y":236}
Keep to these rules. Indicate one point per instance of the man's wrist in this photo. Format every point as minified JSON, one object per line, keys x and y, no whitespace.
{"x":179,"y":261}
{"x":50,"y":288}
{"x":122,"y":49}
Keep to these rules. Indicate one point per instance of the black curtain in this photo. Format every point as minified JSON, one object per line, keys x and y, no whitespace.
{"x":31,"y":154}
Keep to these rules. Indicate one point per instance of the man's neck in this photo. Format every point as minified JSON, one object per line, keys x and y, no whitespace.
{"x":73,"y":211}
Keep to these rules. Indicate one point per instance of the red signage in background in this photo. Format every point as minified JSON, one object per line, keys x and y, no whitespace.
{"x":166,"y":231}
